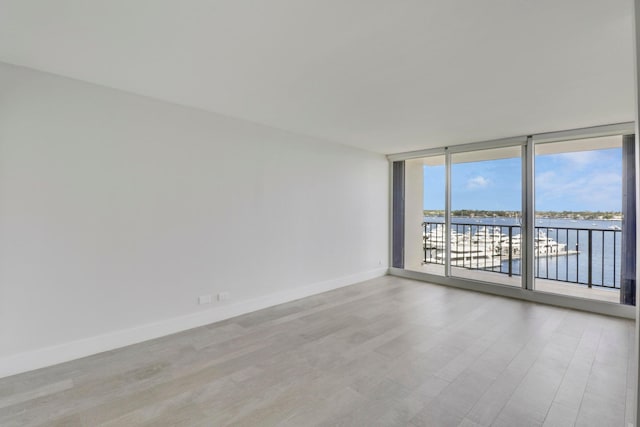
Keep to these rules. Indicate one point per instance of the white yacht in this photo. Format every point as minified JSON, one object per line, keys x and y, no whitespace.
{"x":468,"y":256}
{"x":487,"y":248}
{"x":546,"y":246}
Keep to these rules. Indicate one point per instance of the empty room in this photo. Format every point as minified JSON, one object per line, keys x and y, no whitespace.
{"x":306,"y":213}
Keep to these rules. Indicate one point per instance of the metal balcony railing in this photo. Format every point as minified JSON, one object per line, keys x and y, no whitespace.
{"x":587,"y":256}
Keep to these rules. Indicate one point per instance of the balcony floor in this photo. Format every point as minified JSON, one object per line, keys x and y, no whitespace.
{"x":543,"y":285}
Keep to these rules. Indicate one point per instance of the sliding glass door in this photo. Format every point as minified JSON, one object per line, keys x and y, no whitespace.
{"x":579,"y":227}
{"x":552,"y":213}
{"x":486,"y":204}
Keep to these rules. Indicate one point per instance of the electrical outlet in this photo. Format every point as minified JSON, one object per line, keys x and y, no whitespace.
{"x":204,"y":299}
{"x":223,"y":296}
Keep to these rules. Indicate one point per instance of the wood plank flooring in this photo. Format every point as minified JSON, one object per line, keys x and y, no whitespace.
{"x":386,"y":352}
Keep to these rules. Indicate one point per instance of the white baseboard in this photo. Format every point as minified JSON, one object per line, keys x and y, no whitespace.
{"x":65,"y":352}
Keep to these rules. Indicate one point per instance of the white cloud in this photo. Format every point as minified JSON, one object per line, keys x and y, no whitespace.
{"x":594,"y":191}
{"x":585,"y":180}
{"x":581,"y":159}
{"x":546,"y":180}
{"x":477,"y":182}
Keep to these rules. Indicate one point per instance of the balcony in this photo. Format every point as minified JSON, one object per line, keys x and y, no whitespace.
{"x":581,"y":261}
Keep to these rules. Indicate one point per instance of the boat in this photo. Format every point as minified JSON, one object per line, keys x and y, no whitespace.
{"x":434,"y":238}
{"x":543,"y":246}
{"x":487,"y":248}
{"x":484,"y":235}
{"x":468,"y":256}
{"x":546,"y":246}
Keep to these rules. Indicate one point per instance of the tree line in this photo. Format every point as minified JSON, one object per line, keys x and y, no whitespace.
{"x":472,"y":213}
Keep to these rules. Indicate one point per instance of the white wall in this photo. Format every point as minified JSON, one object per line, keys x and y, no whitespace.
{"x":117,"y":211}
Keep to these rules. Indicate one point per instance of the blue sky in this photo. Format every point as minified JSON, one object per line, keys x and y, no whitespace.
{"x":581,"y":181}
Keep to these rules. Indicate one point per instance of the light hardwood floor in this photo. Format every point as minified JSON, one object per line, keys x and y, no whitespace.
{"x":385,"y":352}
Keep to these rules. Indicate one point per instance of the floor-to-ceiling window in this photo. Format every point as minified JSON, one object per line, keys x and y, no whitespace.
{"x":486,"y":203}
{"x":551,"y":213}
{"x":579,"y":228}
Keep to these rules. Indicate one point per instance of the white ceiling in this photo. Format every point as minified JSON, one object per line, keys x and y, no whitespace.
{"x":388,"y":76}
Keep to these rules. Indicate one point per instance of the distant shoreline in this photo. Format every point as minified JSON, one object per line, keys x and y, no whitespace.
{"x":572,"y":215}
